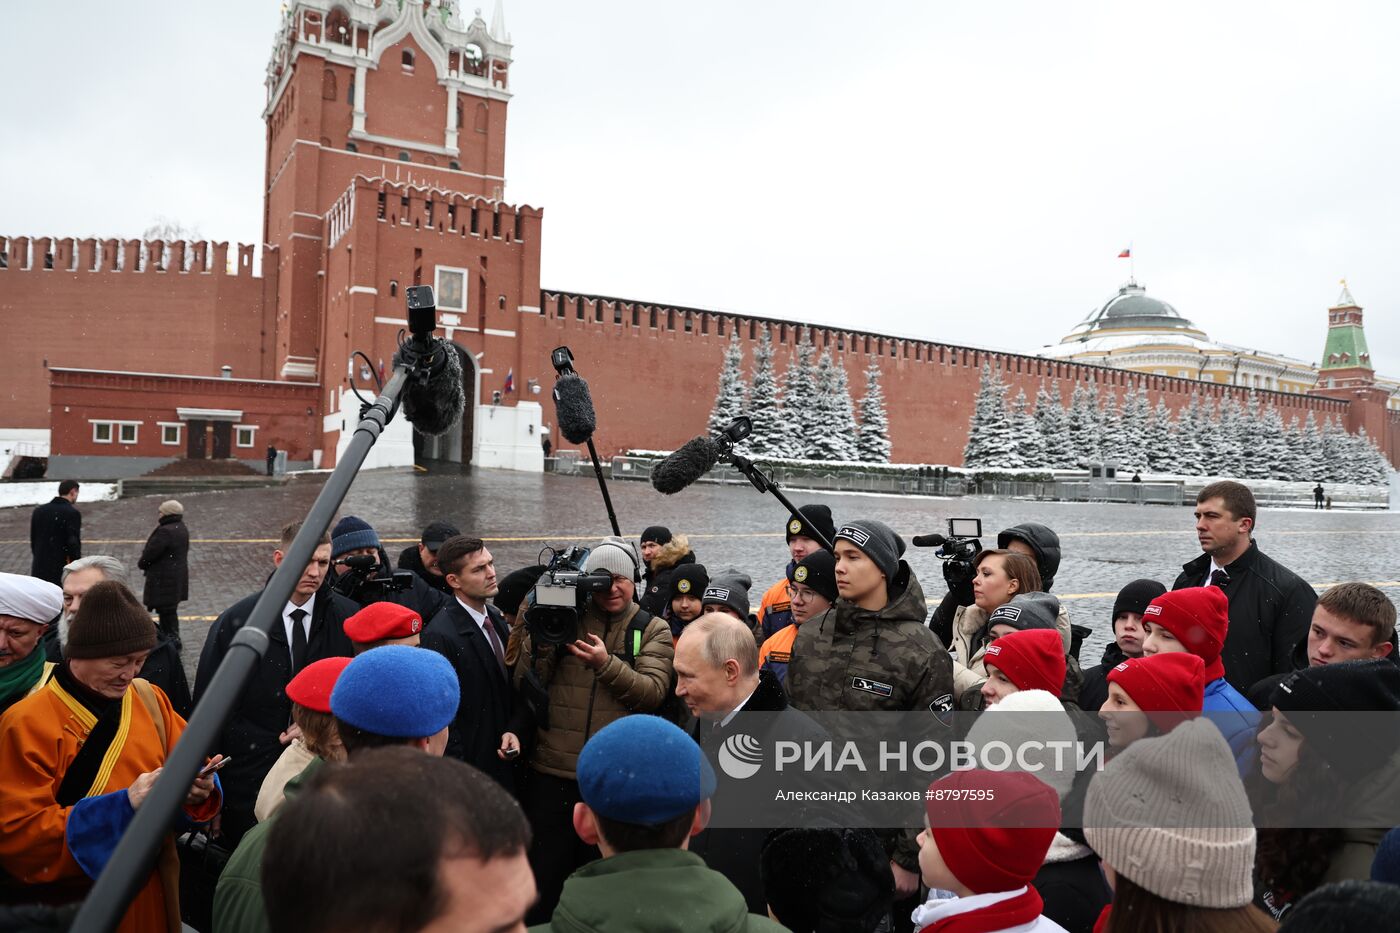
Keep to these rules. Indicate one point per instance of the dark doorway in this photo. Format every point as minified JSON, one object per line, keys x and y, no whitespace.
{"x":195,"y":443}
{"x":223,"y":439}
{"x":455,"y":446}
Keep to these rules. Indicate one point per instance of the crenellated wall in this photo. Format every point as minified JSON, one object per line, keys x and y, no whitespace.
{"x":145,"y":306}
{"x":653,"y":370}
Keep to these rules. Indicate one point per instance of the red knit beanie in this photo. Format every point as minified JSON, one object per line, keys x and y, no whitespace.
{"x":1199,"y":617}
{"x":312,"y":686}
{"x":380,"y":621}
{"x":1172,"y":683}
{"x":992,"y":828}
{"x":1032,"y":660}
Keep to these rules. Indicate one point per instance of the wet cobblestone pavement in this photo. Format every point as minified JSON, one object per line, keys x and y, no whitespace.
{"x":1105,"y":545}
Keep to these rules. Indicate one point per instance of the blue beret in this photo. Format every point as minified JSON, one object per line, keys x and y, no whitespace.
{"x":397,"y":691}
{"x":643,"y":770}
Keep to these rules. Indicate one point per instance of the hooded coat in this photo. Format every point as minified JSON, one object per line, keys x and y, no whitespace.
{"x":1043,"y":541}
{"x":853,"y":659}
{"x":656,"y":583}
{"x":410,"y":559}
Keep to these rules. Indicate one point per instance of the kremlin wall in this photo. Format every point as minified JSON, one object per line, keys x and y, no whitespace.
{"x":385,"y":168}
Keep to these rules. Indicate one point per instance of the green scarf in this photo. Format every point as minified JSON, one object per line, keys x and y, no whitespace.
{"x":16,"y":680}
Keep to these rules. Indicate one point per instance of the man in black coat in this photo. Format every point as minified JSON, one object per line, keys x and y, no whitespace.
{"x":165,"y":559}
{"x":354,"y":537}
{"x":1270,"y":605}
{"x":313,"y":627}
{"x":719,"y":697}
{"x":56,"y":534}
{"x":472,"y":635}
{"x":421,"y":558}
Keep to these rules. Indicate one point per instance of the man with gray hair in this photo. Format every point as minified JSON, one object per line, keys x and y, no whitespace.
{"x":717,"y":677}
{"x":163,"y":666}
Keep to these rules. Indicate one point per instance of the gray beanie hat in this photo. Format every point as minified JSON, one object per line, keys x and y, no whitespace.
{"x":729,"y":588}
{"x":1171,"y":814}
{"x":878,"y":541}
{"x":616,"y":556}
{"x":1027,"y":611}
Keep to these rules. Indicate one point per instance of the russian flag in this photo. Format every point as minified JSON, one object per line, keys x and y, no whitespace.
{"x":510,"y":380}
{"x":1126,"y":254}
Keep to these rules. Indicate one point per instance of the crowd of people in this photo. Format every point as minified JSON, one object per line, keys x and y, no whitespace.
{"x":412,"y":752}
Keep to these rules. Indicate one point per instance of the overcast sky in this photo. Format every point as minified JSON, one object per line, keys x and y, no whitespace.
{"x":956,"y":171}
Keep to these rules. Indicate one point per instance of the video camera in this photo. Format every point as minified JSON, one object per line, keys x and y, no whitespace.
{"x":553,"y":607}
{"x":957,"y":548}
{"x":356,"y":580}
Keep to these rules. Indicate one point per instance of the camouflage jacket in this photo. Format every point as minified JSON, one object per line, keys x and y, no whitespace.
{"x":852,"y":659}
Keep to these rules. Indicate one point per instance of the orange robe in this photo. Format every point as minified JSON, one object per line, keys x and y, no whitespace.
{"x":39,"y":738}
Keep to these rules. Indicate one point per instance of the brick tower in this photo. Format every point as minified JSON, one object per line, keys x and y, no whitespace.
{"x":1345,"y":372}
{"x":385,"y":167}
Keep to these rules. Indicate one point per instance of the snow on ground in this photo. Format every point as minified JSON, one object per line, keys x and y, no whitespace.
{"x":17,"y":494}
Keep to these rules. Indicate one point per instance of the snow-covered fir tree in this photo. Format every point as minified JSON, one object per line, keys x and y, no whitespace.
{"x":1160,"y":446}
{"x":729,"y":400}
{"x":1050,"y":421}
{"x":991,"y":437}
{"x":1273,"y":450}
{"x":831,"y":432}
{"x":764,"y":404}
{"x":1335,"y":452}
{"x":1030,"y":446}
{"x":874,"y":443}
{"x":800,"y":396}
{"x":1311,"y":443}
{"x":1113,"y":441}
{"x":1136,"y":413}
{"x":847,"y":431}
{"x":1082,"y":424}
{"x":1253,"y":439}
{"x":1190,"y":435}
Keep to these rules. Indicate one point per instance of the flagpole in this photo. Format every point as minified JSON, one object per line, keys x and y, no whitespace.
{"x":1132,"y":263}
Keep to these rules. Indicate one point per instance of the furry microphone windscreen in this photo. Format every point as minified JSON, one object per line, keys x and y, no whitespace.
{"x":436,"y":405}
{"x":695,"y":458}
{"x":574,"y":408}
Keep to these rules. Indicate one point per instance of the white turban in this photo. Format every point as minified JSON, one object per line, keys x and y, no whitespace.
{"x":29,"y":598}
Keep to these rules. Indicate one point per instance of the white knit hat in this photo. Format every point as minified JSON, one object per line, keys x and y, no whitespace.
{"x":1171,"y":814}
{"x":1030,"y":716}
{"x":614,"y":555}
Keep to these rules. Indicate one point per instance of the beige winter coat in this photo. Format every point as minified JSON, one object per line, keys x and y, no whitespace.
{"x":970,"y":642}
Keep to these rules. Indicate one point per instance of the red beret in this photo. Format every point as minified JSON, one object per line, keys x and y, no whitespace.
{"x":312,"y":687}
{"x":379,"y":621}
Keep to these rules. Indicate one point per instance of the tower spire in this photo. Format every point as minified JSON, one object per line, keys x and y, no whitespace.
{"x":498,"y":22}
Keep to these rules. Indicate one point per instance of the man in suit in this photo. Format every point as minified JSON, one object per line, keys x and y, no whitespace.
{"x":718,"y":678}
{"x":472,"y":635}
{"x":55,"y":534}
{"x":313,"y":627}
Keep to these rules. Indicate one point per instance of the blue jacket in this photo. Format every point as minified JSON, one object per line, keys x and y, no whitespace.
{"x":1234,"y":716}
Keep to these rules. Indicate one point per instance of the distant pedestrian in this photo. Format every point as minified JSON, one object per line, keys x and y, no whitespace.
{"x":55,"y":534}
{"x":271,"y":459}
{"x":1318,"y":495}
{"x":165,"y":559}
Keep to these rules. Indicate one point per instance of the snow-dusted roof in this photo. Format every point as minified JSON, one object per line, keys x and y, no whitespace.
{"x":1123,"y":340}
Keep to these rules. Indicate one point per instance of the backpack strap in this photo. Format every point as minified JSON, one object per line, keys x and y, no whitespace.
{"x":632,"y":641}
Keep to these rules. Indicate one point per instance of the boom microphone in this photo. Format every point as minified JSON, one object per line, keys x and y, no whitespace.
{"x":694,"y":459}
{"x":433,"y":400}
{"x":573,"y":406}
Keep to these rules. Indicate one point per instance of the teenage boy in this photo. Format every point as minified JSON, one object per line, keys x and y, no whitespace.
{"x":1127,"y":639}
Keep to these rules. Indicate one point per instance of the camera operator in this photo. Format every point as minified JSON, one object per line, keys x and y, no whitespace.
{"x":589,"y":683}
{"x":365,"y":582}
{"x":1034,"y":540}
